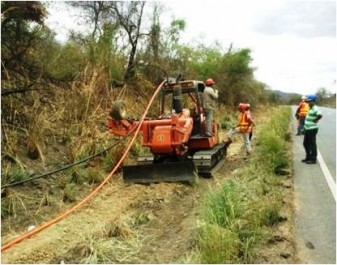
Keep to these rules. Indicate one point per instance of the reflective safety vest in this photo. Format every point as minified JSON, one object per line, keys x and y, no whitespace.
{"x":303,"y":109}
{"x":245,"y":122}
{"x":309,"y":122}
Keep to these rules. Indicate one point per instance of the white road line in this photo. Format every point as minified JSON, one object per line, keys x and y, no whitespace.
{"x":327,"y":174}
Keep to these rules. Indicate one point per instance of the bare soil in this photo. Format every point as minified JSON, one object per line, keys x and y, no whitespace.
{"x":142,"y":223}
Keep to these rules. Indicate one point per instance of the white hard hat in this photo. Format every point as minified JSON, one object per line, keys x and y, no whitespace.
{"x":303,"y":97}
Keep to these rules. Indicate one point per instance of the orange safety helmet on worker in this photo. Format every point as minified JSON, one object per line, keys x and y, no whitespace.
{"x":209,"y":82}
{"x":245,"y":121}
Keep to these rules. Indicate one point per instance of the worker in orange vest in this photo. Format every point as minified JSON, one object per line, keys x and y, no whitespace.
{"x":301,"y":113}
{"x":244,"y":127}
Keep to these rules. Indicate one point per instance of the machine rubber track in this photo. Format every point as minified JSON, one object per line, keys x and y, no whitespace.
{"x":209,"y":161}
{"x":204,"y":163}
{"x":146,"y":171}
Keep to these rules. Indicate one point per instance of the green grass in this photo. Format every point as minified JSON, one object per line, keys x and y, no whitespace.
{"x":18,"y":174}
{"x":238,"y":216}
{"x":273,"y":142}
{"x":218,"y":244}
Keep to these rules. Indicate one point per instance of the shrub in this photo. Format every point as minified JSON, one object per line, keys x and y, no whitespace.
{"x":69,"y":193}
{"x":18,"y":174}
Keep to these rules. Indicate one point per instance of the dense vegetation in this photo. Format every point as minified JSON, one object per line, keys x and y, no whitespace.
{"x":252,"y":200}
{"x":55,"y":96}
{"x":58,"y":94}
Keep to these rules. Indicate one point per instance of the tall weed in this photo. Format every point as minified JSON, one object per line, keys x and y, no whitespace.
{"x":224,"y":205}
{"x":218,"y":244}
{"x":272,"y":144}
{"x":237,"y":216}
{"x":13,"y":203}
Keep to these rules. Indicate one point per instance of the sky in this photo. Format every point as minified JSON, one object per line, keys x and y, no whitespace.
{"x":293,"y":42}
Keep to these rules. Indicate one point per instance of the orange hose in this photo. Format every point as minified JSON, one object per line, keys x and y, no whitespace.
{"x":66,"y":213}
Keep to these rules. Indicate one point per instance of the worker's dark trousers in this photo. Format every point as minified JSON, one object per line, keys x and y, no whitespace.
{"x":309,"y":144}
{"x":209,"y":120}
{"x":300,"y":127}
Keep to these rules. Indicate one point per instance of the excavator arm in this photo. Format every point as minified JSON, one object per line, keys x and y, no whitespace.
{"x":122,"y":127}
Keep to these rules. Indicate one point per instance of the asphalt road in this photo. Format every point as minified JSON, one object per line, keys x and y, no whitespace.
{"x":315,"y":194}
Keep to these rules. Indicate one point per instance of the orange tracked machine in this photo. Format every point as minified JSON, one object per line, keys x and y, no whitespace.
{"x":179,"y":151}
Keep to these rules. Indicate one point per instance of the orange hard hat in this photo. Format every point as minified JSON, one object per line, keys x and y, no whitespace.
{"x":209,"y":82}
{"x":244,"y":106}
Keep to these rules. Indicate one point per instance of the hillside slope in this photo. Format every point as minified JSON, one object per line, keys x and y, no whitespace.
{"x":143,"y":224}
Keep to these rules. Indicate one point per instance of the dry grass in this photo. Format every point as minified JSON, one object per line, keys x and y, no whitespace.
{"x":116,"y":241}
{"x":13,"y":204}
{"x":121,"y":228}
{"x":58,"y":125}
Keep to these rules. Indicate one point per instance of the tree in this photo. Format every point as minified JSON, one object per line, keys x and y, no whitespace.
{"x":23,"y":35}
{"x":155,"y":32}
{"x":129,"y":17}
{"x":206,"y":61}
{"x":323,"y":93}
{"x":17,"y":37}
{"x":95,"y":11}
{"x":237,"y":76}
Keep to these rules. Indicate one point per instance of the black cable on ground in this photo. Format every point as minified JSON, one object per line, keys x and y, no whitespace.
{"x":63,"y":168}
